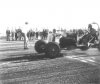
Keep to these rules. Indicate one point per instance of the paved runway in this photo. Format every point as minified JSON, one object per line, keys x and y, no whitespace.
{"x":19,"y":66}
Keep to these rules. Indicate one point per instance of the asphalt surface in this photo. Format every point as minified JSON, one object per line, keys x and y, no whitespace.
{"x":19,"y":66}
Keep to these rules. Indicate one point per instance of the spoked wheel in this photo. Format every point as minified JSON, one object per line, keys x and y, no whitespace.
{"x":40,"y":46}
{"x":52,"y":50}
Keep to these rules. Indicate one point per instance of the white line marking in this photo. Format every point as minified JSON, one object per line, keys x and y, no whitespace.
{"x":83,"y":59}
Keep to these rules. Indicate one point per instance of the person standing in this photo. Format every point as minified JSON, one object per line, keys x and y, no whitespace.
{"x":12,"y":35}
{"x":26,"y":40}
{"x":50,"y":37}
{"x":37,"y":35}
{"x":8,"y":34}
{"x":54,"y":35}
{"x":16,"y":36}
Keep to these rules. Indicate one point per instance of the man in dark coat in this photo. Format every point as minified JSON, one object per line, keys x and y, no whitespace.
{"x":12,"y":35}
{"x":37,"y":35}
{"x":8,"y":34}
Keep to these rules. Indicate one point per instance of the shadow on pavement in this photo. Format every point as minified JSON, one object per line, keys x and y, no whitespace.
{"x":30,"y":57}
{"x":13,"y":49}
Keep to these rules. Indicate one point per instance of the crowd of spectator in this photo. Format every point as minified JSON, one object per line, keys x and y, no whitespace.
{"x":18,"y":34}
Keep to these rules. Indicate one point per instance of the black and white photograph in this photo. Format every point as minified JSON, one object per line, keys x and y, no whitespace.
{"x":49,"y":41}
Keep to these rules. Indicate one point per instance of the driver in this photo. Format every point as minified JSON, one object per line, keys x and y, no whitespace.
{"x":93,"y":32}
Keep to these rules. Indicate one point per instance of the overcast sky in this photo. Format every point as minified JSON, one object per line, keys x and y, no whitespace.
{"x":48,"y":13}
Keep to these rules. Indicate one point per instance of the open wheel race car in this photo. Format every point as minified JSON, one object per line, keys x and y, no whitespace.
{"x":53,"y":49}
